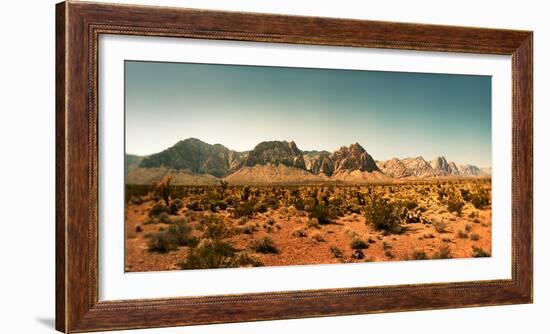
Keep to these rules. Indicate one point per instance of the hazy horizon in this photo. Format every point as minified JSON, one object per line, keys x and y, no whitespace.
{"x":390,"y":114}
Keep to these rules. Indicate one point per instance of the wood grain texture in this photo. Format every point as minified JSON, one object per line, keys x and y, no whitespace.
{"x":78,"y":27}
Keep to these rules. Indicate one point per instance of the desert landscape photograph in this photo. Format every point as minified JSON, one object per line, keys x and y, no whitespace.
{"x":231,"y":166}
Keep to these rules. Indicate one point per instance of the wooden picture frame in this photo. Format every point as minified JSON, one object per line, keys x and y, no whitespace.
{"x":78,"y":26}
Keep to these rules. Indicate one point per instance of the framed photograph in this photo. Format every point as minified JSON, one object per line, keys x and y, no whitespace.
{"x":223,"y":167}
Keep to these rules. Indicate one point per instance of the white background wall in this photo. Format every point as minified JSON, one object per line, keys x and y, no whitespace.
{"x":27,"y":69}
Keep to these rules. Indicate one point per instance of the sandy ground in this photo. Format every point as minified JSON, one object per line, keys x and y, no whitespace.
{"x":313,"y":245}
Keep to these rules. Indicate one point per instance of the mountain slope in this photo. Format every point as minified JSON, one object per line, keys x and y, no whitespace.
{"x":276,"y":153}
{"x":193,"y":156}
{"x":269,"y":174}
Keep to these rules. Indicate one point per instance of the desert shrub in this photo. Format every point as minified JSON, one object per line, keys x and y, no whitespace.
{"x":440,"y":226}
{"x":137,"y":200}
{"x":245,"y":209}
{"x":318,"y":237}
{"x":210,"y":254}
{"x":354,"y":209}
{"x":480,"y":199}
{"x":479,"y":252}
{"x":161,"y":189}
{"x":139,"y":228}
{"x":409,"y":204}
{"x":246,"y":260}
{"x":336,"y":252}
{"x":216,"y":230}
{"x":468,"y":227}
{"x":383,"y":215}
{"x":462,"y":234}
{"x":313,"y":223}
{"x":419,"y":255}
{"x":299,"y":204}
{"x":249,"y":228}
{"x":475,"y":237}
{"x":455,"y":204}
{"x":265,"y":245}
{"x":161,"y":242}
{"x":322,"y":213}
{"x":195,"y":206}
{"x":271,"y":202}
{"x":466,"y":194}
{"x":164,"y":218}
{"x":261,"y":208}
{"x":170,"y":239}
{"x":444,"y":252}
{"x":359,"y":244}
{"x":245,"y":193}
{"x":231,"y":201}
{"x":181,"y":235}
{"x":270,"y":221}
{"x":175,"y":206}
{"x":223,"y":188}
{"x":300,"y":233}
{"x":157,"y":209}
{"x":216,"y":205}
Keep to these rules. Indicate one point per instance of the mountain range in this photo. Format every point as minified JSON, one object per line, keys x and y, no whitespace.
{"x":195,"y":162}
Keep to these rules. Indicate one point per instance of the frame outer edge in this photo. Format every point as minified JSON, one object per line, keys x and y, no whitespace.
{"x":61,"y":318}
{"x":78,"y":310}
{"x":524,"y":161}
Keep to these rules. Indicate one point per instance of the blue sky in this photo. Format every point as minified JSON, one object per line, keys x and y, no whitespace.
{"x":391,"y":114}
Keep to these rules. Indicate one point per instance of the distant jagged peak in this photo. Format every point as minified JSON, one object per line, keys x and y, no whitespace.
{"x":276,"y":152}
{"x":354,"y":157}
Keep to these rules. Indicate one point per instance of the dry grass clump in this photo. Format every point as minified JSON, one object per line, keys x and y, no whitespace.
{"x":444,"y":252}
{"x":359,"y":244}
{"x":265,"y":245}
{"x":419,"y":255}
{"x":479,"y":252}
{"x":480,"y":199}
{"x":440,"y":226}
{"x":336,"y":252}
{"x":318,"y":237}
{"x":170,"y":239}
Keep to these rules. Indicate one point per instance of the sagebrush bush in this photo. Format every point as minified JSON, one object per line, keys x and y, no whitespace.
{"x":170,"y":239}
{"x":157,"y":209}
{"x":322,"y":213}
{"x":475,"y":237}
{"x":455,"y":204}
{"x":359,"y":244}
{"x":336,"y":252}
{"x":466,"y":194}
{"x":419,"y":255}
{"x":245,"y":209}
{"x":444,"y":252}
{"x":479,"y":252}
{"x":383,"y":215}
{"x":161,"y":242}
{"x":440,"y":226}
{"x":175,"y":206}
{"x":210,"y":254}
{"x":480,"y":199}
{"x":265,"y":245}
{"x":195,"y":206}
{"x":318,"y":237}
